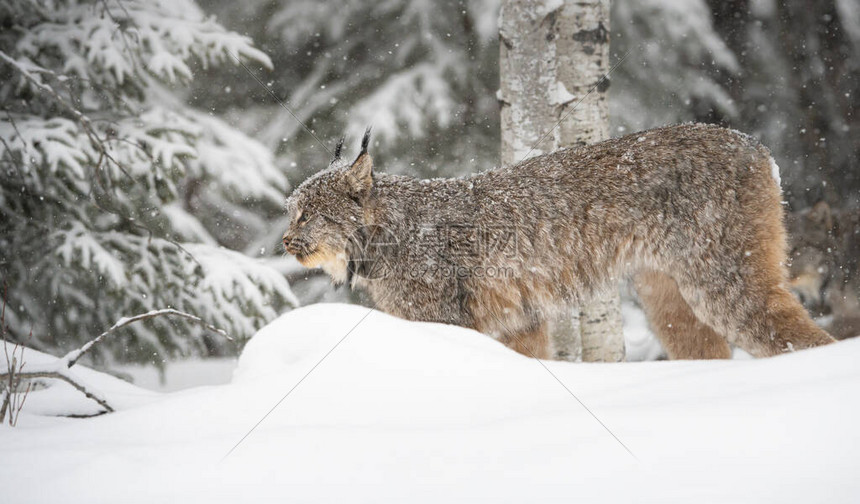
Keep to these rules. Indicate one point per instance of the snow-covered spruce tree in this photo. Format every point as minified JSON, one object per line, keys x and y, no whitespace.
{"x":424,"y":73}
{"x":672,"y":72}
{"x":786,"y":72}
{"x":798,"y":90}
{"x":98,"y":156}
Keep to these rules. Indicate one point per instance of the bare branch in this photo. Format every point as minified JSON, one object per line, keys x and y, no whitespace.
{"x":17,"y":413}
{"x":60,"y":375}
{"x":10,"y":365}
{"x":8,"y":388}
{"x":59,"y":369}
{"x":12,"y":400}
{"x":72,"y":357}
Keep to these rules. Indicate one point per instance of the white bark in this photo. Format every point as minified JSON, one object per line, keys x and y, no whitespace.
{"x":552,"y":54}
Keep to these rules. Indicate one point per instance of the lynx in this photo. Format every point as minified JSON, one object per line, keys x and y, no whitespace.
{"x":825,"y":250}
{"x":693,"y":212}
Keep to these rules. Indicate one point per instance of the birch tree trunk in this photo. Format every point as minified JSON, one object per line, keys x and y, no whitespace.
{"x":552,"y":54}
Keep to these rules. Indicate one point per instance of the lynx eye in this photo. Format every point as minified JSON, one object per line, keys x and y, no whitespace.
{"x":303,"y":217}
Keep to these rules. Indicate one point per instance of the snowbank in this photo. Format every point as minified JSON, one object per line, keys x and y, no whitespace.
{"x":413,"y":412}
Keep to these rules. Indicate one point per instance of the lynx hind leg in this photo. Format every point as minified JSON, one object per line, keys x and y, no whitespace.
{"x":764,"y":321}
{"x":682,"y":334}
{"x":745,"y":297}
{"x":532,"y":342}
{"x":789,"y":325}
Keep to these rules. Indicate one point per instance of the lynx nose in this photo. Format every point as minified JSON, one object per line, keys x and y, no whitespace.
{"x":292,"y":244}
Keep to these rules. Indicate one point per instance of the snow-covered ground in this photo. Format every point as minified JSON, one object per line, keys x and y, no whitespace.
{"x":640,"y":344}
{"x":179,"y":374}
{"x":415,"y":412}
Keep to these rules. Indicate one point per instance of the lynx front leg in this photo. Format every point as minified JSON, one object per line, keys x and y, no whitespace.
{"x":533,"y":342}
{"x":682,"y":334}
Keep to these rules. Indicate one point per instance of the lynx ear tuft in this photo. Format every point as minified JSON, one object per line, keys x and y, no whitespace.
{"x":360,"y":174}
{"x":338,"y":150}
{"x":365,"y":141}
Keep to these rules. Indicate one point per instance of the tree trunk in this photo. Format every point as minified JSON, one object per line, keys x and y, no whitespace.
{"x":552,"y":54}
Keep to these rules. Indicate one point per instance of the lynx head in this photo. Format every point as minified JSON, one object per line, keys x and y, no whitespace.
{"x":327,"y":210}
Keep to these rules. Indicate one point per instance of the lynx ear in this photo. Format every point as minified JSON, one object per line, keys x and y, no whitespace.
{"x":360,"y":174}
{"x":821,"y":215}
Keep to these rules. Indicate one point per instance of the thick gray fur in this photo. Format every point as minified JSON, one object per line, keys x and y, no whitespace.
{"x":692,"y":211}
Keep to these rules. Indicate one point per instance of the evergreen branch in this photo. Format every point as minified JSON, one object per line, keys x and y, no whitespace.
{"x":84,"y":121}
{"x":95,"y":140}
{"x":120,"y":23}
{"x":7,"y":152}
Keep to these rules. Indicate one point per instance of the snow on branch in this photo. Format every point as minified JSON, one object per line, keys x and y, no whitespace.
{"x":72,"y":357}
{"x":408,"y":99}
{"x":238,"y":285}
{"x":132,"y":38}
{"x":243,"y":167}
{"x":59,"y":369}
{"x":85,"y":122}
{"x":103,"y":160}
{"x":74,"y":381}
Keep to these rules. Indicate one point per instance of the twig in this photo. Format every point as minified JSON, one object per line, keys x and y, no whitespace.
{"x":12,"y":400}
{"x":58,"y":369}
{"x":13,"y":417}
{"x":74,"y":382}
{"x":14,"y":375}
{"x":7,"y":396}
{"x":72,"y":357}
{"x":10,"y":364}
